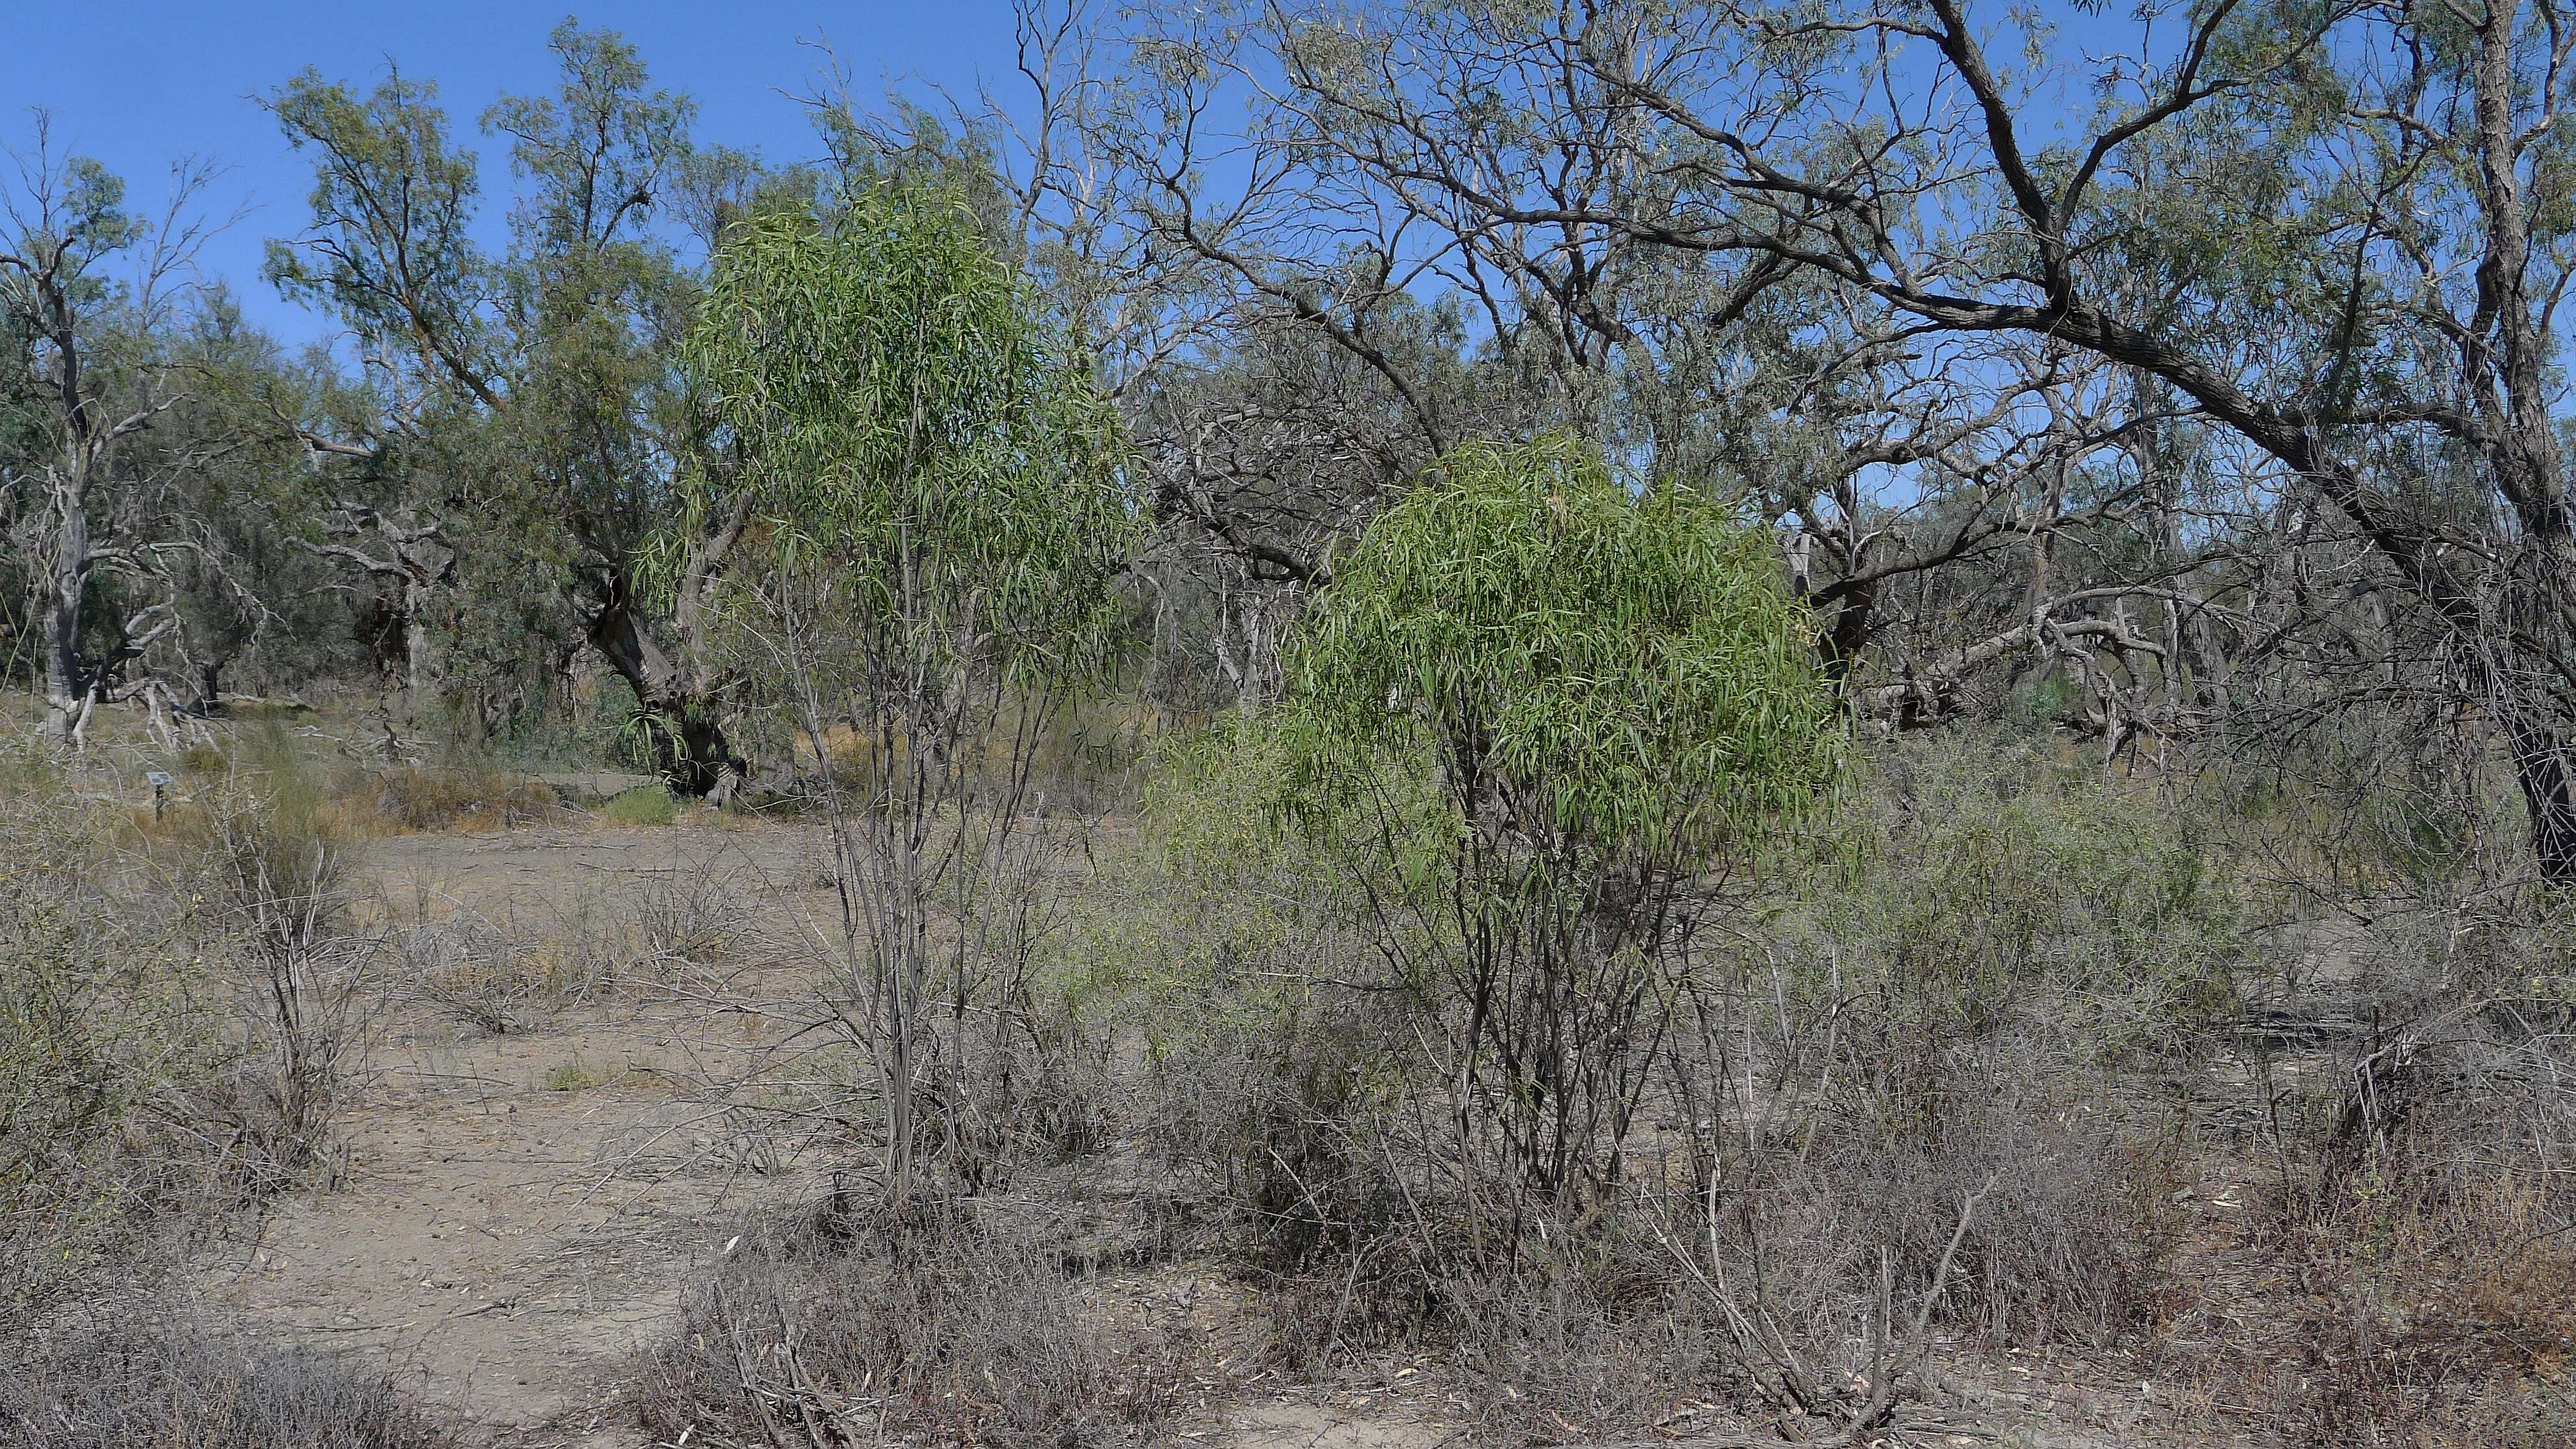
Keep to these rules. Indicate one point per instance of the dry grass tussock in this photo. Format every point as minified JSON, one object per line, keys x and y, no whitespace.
{"x":180,"y":1017}
{"x":2395,"y":1266}
{"x":354,"y":796}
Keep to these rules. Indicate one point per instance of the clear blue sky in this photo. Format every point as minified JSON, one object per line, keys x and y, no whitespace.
{"x":136,"y":83}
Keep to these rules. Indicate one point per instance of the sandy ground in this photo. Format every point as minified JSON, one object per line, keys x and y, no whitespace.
{"x":516,"y":1214}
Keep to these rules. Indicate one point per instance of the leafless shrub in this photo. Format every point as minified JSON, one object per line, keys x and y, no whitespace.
{"x":2066,"y":1247}
{"x":180,"y":1384}
{"x":581,"y":943}
{"x":698,"y":919}
{"x":276,"y":882}
{"x":848,"y":1328}
{"x":471,"y":968}
{"x":2406,"y":1234}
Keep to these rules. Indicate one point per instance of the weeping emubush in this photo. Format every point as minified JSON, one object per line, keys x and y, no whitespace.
{"x":1536,"y":709}
{"x":929,"y":515}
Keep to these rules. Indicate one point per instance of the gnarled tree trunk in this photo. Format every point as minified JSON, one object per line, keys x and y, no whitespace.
{"x":688,"y":739}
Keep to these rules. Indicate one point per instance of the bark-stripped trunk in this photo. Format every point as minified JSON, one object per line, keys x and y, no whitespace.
{"x":84,"y":443}
{"x":67,"y":581}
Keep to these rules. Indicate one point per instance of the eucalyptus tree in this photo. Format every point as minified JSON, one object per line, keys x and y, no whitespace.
{"x":530,"y":410}
{"x":1452,"y":231}
{"x":1534,"y":710}
{"x":2332,"y":235}
{"x":389,"y":253}
{"x":1257,"y":445}
{"x":245,"y":589}
{"x":936,"y":515}
{"x":90,"y":292}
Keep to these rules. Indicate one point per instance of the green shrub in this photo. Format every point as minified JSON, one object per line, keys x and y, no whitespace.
{"x":643,"y":805}
{"x":571,"y":1076}
{"x":1534,"y":708}
{"x":1977,"y":883}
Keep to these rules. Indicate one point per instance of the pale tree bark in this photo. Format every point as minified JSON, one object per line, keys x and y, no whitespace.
{"x":65,"y":227}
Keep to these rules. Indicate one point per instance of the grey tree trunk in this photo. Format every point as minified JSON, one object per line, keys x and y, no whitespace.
{"x":66,"y":686}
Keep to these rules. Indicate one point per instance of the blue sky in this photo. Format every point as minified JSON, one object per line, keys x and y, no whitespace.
{"x":136,"y":83}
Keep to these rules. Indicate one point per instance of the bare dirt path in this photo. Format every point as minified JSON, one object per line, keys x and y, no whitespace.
{"x":516,"y":1212}
{"x":473,"y":1241}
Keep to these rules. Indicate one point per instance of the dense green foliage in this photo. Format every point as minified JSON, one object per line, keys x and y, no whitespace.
{"x":1619,"y":676}
{"x":911,"y":426}
{"x":1978,"y":886}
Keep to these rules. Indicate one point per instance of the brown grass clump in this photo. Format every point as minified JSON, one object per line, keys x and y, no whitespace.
{"x":446,"y":797}
{"x":473,"y":969}
{"x":2413,"y":1287}
{"x":102,"y":1035}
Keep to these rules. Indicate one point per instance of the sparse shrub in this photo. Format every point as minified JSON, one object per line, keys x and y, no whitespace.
{"x":959,"y":1331}
{"x":582,"y":945}
{"x":202,"y":758}
{"x":571,"y":1076}
{"x":2066,"y":1246}
{"x":703,"y":914}
{"x":472,"y":969}
{"x":180,"y":1384}
{"x":101,"y":1036}
{"x":274,"y":877}
{"x":2405,"y":1224}
{"x":1977,"y":888}
{"x":643,"y":805}
{"x":1598,"y":1338}
{"x":1534,"y":711}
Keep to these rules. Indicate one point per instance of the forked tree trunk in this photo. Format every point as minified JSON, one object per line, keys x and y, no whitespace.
{"x":688,"y":740}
